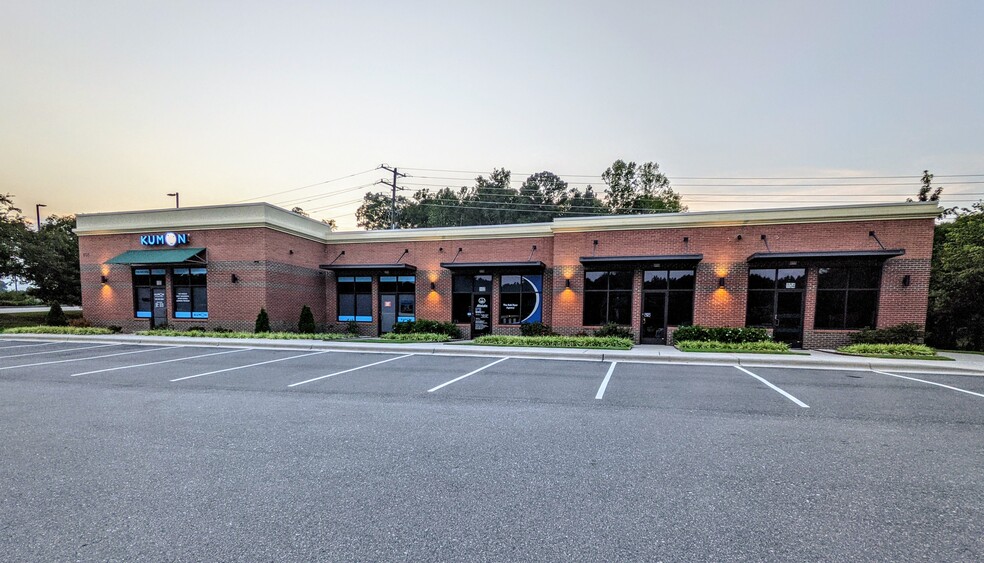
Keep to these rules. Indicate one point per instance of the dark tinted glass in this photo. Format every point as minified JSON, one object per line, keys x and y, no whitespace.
{"x":620,"y":280}
{"x":527,"y":307}
{"x":830,"y":309}
{"x":387,"y":284}
{"x":346,"y":307}
{"x":511,"y":284}
{"x":861,"y":309}
{"x":143,"y":299}
{"x":363,"y":285}
{"x":461,"y":307}
{"x":461,"y":283}
{"x":199,"y":301}
{"x":595,"y":308}
{"x":407,"y":301}
{"x":141,"y":277}
{"x":680,"y":309}
{"x":682,"y":279}
{"x":483,"y":284}
{"x":363,"y":306}
{"x":831,"y":278}
{"x":761,"y":311}
{"x":620,"y":307}
{"x":346,"y":286}
{"x":762,"y":279}
{"x":865,"y":278}
{"x":407,"y":284}
{"x":654,"y":279}
{"x":595,"y":280}
{"x":791,"y":278}
{"x":509,"y":308}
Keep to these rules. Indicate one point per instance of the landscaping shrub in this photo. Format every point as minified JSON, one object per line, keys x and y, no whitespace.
{"x":115,"y":329}
{"x":734,"y":335}
{"x":262,"y":321}
{"x":905,"y":333}
{"x":609,"y":342}
{"x":55,"y":316}
{"x":352,"y":328}
{"x":416,"y":337}
{"x":906,"y":350}
{"x":424,"y":325}
{"x":612,"y":329}
{"x":306,"y":323}
{"x":535,"y":329}
{"x":56,"y":330}
{"x":79,"y":322}
{"x":17,"y":299}
{"x":731,"y":347}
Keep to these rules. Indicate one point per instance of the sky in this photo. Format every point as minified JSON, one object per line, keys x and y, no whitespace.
{"x":111,"y":105}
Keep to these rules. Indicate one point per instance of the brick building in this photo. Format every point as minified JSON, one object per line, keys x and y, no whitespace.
{"x":811,"y":275}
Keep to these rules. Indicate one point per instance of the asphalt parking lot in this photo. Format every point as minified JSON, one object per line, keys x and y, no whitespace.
{"x":123,"y":452}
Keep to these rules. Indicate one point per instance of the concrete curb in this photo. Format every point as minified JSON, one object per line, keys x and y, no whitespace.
{"x":745,"y":360}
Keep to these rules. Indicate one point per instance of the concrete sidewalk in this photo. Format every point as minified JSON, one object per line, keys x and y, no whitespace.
{"x":962,"y":364}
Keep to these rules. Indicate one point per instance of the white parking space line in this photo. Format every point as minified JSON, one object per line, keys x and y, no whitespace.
{"x":348,"y":370}
{"x":25,"y":345}
{"x":162,"y":362}
{"x":90,"y":357}
{"x":57,"y":351}
{"x":774,"y":388}
{"x":249,"y":366}
{"x":445,"y":384}
{"x":929,"y":382}
{"x":604,"y":383}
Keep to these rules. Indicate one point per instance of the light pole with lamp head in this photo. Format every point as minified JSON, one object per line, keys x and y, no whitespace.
{"x":177,"y":200}
{"x":37,"y":209}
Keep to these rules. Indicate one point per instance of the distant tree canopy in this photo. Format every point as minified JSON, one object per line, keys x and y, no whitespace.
{"x":956,"y":288}
{"x":48,"y":257}
{"x":927,"y":192}
{"x":493,"y":200}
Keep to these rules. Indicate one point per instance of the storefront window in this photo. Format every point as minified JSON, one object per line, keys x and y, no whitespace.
{"x":847,"y":298}
{"x":679,"y":288}
{"x":190,"y":293}
{"x":607,"y":298}
{"x":144,"y":281}
{"x":403,"y":291}
{"x":763,"y":286}
{"x":355,"y":298}
{"x":520,"y":299}
{"x":463,"y":286}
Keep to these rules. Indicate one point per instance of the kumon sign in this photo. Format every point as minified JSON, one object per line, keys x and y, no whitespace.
{"x":164,"y":239}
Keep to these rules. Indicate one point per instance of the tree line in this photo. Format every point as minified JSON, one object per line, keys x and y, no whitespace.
{"x":492,"y":199}
{"x":47,"y":257}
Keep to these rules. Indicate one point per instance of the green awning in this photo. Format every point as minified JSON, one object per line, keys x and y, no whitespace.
{"x":169,"y":256}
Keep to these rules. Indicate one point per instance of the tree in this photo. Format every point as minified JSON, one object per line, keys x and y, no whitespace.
{"x":300,"y":211}
{"x":50,"y":261}
{"x":926,"y":192}
{"x":374,"y":213}
{"x":639,"y":189}
{"x":262,"y":321}
{"x":332,"y":225}
{"x":55,"y":316}
{"x":956,"y":289}
{"x":306,"y":323}
{"x":13,"y":230}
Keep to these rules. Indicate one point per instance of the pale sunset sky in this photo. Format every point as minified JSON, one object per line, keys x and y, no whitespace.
{"x":110,"y":105}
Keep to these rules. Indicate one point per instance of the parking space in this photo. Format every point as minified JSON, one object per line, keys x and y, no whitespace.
{"x":531,"y":380}
{"x":402,"y":375}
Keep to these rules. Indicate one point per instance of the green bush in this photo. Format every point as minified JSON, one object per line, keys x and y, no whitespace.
{"x":231,"y":334}
{"x":17,"y":299}
{"x":262,"y":321}
{"x":905,"y":350}
{"x":608,"y":342}
{"x":416,"y":337}
{"x":535,"y":329}
{"x":617,"y":331}
{"x":732,"y":347}
{"x":905,"y":333}
{"x":115,"y":329}
{"x":306,"y":324}
{"x":56,"y":330}
{"x":424,"y":325}
{"x":734,"y":335}
{"x":55,"y":316}
{"x":352,"y":328}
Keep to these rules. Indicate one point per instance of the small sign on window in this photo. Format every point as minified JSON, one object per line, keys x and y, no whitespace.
{"x":790,"y":285}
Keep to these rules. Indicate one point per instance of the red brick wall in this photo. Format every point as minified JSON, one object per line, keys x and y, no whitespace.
{"x":280,"y":272}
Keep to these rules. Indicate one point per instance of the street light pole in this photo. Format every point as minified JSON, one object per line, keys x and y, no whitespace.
{"x":37,"y":209}
{"x":177,"y":200}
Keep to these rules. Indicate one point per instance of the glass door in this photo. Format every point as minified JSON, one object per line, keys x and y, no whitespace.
{"x":653,"y":318}
{"x":481,"y":314}
{"x":788,"y":325}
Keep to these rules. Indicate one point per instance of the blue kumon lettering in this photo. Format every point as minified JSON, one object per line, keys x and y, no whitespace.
{"x":144,"y":239}
{"x":183,"y":239}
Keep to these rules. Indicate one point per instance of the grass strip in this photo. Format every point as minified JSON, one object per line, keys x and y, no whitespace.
{"x":253,"y":335}
{"x":765,"y":347}
{"x":591,"y":342}
{"x":56,"y":330}
{"x":892,"y":351}
{"x":414,"y":337}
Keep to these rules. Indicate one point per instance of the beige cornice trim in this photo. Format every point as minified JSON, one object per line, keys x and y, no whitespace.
{"x":214,"y":217}
{"x":526,"y":230}
{"x":827,"y":214}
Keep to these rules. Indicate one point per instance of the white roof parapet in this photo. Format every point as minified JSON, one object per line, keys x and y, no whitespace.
{"x":233,"y":216}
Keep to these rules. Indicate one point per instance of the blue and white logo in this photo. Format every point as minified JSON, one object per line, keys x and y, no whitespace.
{"x":165,"y":239}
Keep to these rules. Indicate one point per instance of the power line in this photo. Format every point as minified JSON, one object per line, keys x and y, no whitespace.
{"x":675,"y":186}
{"x":308,"y":186}
{"x":917,"y":177}
{"x":332,"y":194}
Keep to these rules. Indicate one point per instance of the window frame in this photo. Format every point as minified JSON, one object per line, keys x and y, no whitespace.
{"x":149,"y":313}
{"x":608,"y":294}
{"x":398,"y":293}
{"x":853,"y":271}
{"x":194,"y":290}
{"x":355,"y":316}
{"x":523,"y":291}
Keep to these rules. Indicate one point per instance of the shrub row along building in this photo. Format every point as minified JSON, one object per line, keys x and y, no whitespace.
{"x":811,"y":275}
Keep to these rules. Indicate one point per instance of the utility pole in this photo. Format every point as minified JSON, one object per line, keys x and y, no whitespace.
{"x":393,"y":186}
{"x":37,"y":209}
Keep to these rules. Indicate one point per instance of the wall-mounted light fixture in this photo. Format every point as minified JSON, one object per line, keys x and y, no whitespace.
{"x":567,"y":283}
{"x":686,"y":239}
{"x":104,"y":279}
{"x":433,"y":286}
{"x":906,"y":280}
{"x":234,"y":278}
{"x":738,"y":237}
{"x":290,"y":251}
{"x":721,"y":282}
